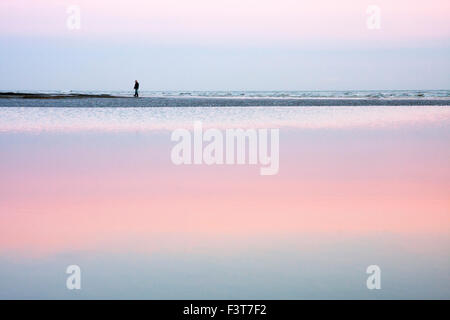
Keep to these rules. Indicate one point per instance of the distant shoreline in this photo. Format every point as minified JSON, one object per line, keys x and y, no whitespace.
{"x":22,"y":95}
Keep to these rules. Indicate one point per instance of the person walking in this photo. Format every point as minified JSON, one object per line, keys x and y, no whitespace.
{"x":136,"y":88}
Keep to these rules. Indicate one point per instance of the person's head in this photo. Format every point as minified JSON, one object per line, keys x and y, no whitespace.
{"x":135,"y":81}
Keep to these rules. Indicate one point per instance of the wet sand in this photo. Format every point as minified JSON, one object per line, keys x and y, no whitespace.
{"x":19,"y":95}
{"x":77,"y":100}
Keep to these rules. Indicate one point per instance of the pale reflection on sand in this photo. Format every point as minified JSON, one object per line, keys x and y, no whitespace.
{"x":96,"y":187}
{"x":144,"y":119}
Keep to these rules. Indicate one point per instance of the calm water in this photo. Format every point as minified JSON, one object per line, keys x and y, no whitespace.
{"x":414,"y":94}
{"x":95,"y":187}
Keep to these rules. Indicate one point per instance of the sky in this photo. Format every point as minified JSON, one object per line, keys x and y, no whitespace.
{"x":224,"y":45}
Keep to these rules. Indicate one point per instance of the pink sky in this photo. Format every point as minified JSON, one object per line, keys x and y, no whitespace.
{"x":231,"y":20}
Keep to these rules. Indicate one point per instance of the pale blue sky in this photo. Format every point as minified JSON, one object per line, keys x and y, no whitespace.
{"x":78,"y":64}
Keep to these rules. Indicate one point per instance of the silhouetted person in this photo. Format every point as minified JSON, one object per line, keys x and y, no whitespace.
{"x":136,"y":88}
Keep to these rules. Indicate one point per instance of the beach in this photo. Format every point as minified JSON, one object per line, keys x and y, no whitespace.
{"x":224,"y":159}
{"x":124,"y":99}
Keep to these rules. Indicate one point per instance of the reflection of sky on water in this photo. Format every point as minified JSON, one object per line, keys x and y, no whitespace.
{"x":306,"y":267}
{"x":372,"y":190}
